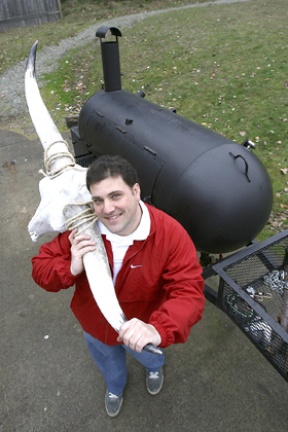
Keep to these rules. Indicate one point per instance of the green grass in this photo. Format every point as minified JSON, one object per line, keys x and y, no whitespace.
{"x":221,"y":66}
{"x":77,"y":15}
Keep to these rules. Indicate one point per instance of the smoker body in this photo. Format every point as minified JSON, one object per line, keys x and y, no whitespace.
{"x":217,"y":189}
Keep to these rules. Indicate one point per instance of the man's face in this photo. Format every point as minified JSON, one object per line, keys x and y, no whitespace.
{"x":117,"y":205}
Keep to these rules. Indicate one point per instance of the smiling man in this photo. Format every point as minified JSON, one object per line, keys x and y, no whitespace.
{"x":117,"y":205}
{"x":155,"y":270}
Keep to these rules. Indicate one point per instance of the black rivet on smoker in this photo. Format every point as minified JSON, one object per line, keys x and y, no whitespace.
{"x":128,"y":121}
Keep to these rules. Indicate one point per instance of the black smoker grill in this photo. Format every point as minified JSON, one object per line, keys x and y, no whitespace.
{"x":251,"y":287}
{"x":217,"y":189}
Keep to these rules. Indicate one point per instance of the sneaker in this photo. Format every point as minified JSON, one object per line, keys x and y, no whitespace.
{"x":154,"y":381}
{"x":113,"y":404}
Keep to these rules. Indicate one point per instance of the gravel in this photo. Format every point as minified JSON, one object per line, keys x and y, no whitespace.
{"x":12,"y":96}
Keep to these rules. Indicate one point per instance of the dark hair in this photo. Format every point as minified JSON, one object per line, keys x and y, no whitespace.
{"x":110,"y":166}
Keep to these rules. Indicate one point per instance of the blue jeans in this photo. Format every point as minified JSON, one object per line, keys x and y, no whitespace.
{"x":111,"y":361}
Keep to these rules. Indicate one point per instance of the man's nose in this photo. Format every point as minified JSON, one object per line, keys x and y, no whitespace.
{"x":108,"y":206}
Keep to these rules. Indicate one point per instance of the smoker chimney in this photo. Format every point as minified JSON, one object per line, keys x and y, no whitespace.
{"x":110,"y":58}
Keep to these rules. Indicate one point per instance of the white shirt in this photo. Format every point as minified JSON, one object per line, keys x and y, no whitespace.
{"x":120,"y":244}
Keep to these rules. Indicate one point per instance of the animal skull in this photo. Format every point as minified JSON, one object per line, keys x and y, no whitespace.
{"x":65,"y":181}
{"x":67,"y":188}
{"x":64,"y":195}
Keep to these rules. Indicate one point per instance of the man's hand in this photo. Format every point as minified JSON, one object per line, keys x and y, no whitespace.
{"x":136,"y":334}
{"x":80,"y":244}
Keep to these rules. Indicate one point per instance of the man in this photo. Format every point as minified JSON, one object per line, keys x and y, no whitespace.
{"x":156,"y":273}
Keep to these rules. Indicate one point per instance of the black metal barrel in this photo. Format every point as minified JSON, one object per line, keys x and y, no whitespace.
{"x":217,"y":189}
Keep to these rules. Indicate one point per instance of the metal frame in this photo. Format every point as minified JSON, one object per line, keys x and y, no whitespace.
{"x":216,"y":297}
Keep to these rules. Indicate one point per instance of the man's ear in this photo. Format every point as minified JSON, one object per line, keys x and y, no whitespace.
{"x":137,"y":190}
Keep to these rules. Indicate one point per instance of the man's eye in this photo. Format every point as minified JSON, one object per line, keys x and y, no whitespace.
{"x":116,"y":196}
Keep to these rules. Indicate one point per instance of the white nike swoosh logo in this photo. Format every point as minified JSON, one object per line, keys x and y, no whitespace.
{"x":135,"y":266}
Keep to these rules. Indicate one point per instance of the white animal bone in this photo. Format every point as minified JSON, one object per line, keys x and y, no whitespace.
{"x":96,"y":265}
{"x":63,"y":192}
{"x":66,"y":188}
{"x":65,"y":181}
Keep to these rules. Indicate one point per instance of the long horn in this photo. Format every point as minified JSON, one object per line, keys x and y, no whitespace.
{"x":62,"y":193}
{"x":56,"y":150}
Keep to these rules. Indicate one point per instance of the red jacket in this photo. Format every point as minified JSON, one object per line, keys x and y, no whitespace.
{"x":164,"y":287}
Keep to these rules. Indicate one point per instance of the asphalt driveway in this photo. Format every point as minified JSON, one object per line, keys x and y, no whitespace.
{"x":216,"y":382}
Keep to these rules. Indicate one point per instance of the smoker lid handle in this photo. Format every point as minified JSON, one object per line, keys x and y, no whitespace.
{"x":245,"y":162}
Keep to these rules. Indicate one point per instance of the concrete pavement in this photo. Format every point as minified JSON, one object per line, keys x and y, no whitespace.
{"x":216,"y":382}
